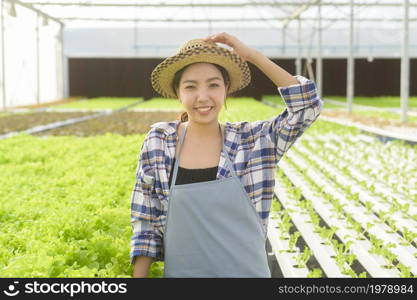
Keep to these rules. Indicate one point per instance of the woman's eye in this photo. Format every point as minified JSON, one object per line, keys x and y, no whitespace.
{"x":214,"y":84}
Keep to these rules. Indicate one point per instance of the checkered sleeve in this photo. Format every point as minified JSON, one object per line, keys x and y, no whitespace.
{"x":303,"y":108}
{"x":146,"y":240}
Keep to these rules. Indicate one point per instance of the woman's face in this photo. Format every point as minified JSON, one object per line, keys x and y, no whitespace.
{"x":202,"y":92}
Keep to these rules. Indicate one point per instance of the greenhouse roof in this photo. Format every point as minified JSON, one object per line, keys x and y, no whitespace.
{"x":218,"y":13}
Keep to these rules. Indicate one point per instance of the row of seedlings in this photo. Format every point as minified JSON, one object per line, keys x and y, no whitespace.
{"x":329,"y":208}
{"x":380,"y":234}
{"x":350,"y":249}
{"x":316,"y":234}
{"x":386,"y":169}
{"x":293,"y":255}
{"x":395,"y":211}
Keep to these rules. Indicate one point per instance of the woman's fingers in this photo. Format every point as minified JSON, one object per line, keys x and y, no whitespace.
{"x":224,"y":39}
{"x":218,"y":37}
{"x":237,"y":46}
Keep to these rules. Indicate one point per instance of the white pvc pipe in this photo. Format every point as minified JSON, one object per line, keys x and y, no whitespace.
{"x":359,"y":213}
{"x":279,"y":248}
{"x":371,"y":262}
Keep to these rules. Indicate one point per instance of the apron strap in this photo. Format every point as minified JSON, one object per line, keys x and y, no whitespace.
{"x":177,"y":156}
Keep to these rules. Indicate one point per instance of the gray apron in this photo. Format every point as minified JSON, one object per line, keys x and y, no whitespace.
{"x":212,"y":229}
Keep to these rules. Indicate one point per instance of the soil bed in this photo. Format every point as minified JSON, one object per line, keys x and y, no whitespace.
{"x":19,"y":122}
{"x":123,"y":123}
{"x":369,"y":121}
{"x":394,"y":126}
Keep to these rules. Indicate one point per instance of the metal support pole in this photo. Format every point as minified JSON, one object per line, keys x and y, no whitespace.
{"x":65,"y":79}
{"x":283,"y":39}
{"x":319,"y":65}
{"x":3,"y":59}
{"x":405,"y":64}
{"x":38,"y":67}
{"x":351,"y":62}
{"x":60,"y":63}
{"x":298,"y":60}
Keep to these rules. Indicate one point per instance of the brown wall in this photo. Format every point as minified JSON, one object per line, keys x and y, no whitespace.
{"x":381,"y":77}
{"x":130,"y":77}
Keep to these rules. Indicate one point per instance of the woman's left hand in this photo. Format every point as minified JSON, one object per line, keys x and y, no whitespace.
{"x":238,"y":46}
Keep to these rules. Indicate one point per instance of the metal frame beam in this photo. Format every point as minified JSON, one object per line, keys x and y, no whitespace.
{"x":206,"y":4}
{"x":40,"y":12}
{"x":225,"y":20}
{"x":297,"y":13}
{"x":302,"y":6}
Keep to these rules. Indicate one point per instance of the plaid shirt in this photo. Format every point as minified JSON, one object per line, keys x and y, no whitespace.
{"x":255,"y":149}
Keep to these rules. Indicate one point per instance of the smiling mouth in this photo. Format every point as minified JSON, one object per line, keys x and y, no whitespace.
{"x":204,"y":108}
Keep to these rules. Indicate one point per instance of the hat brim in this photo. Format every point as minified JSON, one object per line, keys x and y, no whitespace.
{"x":237,"y":68}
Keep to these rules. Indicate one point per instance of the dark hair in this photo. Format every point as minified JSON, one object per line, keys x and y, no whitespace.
{"x":176,"y":83}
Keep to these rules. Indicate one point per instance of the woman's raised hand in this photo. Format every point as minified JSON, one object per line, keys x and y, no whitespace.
{"x":238,"y":46}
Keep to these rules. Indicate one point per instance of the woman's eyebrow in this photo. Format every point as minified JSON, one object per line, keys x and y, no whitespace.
{"x":210,"y":79}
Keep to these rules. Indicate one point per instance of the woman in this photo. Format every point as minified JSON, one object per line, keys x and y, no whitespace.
{"x":204,"y":190}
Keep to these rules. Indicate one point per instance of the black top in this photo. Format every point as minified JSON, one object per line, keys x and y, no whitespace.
{"x":185,"y":176}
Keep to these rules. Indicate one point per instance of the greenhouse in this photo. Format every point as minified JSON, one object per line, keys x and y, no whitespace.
{"x":81,"y":102}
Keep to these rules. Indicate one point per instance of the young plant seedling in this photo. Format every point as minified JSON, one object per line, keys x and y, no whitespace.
{"x":405,"y":271}
{"x":293,"y":240}
{"x":315,"y":273}
{"x":409,"y":236}
{"x":327,"y":234}
{"x":303,"y":257}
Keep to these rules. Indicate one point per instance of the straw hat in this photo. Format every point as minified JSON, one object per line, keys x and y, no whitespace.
{"x":198,"y":50}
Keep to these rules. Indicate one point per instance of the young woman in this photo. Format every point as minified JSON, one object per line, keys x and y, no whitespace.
{"x":204,"y":190}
